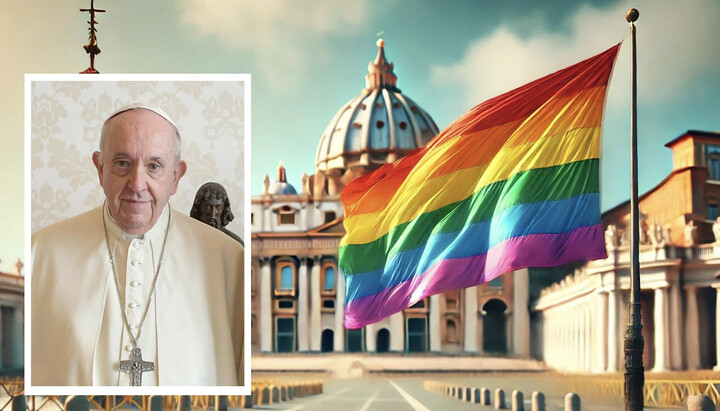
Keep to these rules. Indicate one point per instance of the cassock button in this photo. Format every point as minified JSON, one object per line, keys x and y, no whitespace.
{"x":133,"y":327}
{"x":135,"y":283}
{"x":135,"y":263}
{"x":133,"y":304}
{"x":136,"y":243}
{"x":128,"y":347}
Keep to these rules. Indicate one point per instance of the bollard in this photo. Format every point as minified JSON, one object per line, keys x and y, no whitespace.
{"x":572,"y":402}
{"x":184,"y":403}
{"x":156,"y":402}
{"x":265,"y":397}
{"x":19,"y":403}
{"x":468,"y":394}
{"x":77,"y":403}
{"x":484,"y":396}
{"x":700,"y":403}
{"x":221,"y":403}
{"x":538,"y":401}
{"x":500,"y":399}
{"x":517,"y":401}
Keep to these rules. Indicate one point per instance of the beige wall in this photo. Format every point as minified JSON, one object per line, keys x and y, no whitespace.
{"x":66,"y":118}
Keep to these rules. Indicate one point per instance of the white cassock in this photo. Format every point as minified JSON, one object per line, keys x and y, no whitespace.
{"x":194,"y":327}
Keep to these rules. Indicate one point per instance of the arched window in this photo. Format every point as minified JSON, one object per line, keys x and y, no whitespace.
{"x":327,"y":340}
{"x":451,"y":329}
{"x":382,"y":341}
{"x":286,"y":278}
{"x":286,"y":215}
{"x":495,"y":327}
{"x":712,"y":153}
{"x":329,"y":278}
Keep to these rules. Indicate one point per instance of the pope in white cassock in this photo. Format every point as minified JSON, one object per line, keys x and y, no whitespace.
{"x":134,"y":292}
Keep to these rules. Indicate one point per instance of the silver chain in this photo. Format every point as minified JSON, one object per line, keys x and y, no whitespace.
{"x":135,"y":339}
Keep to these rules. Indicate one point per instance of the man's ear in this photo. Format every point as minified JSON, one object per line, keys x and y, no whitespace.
{"x":98,"y":166}
{"x":180,"y":171}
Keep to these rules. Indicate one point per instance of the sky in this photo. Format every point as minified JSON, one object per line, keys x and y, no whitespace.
{"x":307,"y":59}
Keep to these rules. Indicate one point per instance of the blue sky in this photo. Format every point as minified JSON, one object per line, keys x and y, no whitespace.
{"x":309,"y":58}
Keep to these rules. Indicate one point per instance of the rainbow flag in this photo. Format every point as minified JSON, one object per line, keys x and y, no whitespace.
{"x":513,"y":183}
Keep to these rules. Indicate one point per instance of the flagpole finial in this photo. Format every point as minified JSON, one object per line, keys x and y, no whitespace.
{"x":632,"y":15}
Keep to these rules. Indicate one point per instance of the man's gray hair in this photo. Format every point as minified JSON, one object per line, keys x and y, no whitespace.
{"x":140,"y":106}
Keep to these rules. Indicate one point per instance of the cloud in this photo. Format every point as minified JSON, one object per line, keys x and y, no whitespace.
{"x":677,"y":44}
{"x":275,"y":31}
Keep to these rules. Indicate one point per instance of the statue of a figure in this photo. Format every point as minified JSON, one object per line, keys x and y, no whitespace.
{"x":716,"y":229}
{"x":690,"y":234}
{"x":266,"y":184}
{"x":611,"y":237}
{"x":212,"y":207}
{"x":658,"y":236}
{"x":644,"y":229}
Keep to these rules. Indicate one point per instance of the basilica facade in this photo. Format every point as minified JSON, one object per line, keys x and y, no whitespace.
{"x":297,"y":288}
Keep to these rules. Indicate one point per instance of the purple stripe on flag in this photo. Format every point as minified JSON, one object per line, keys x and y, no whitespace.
{"x":535,"y":250}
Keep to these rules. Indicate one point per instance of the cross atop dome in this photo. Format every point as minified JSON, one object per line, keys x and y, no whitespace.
{"x":380,"y":71}
{"x":92,"y":47}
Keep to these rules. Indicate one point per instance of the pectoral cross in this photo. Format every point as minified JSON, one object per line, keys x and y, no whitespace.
{"x":136,"y":366}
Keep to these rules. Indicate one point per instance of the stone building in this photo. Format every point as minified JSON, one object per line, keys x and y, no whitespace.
{"x":572,"y":322}
{"x":12,"y":314}
{"x":297,"y":289}
{"x":579,"y":324}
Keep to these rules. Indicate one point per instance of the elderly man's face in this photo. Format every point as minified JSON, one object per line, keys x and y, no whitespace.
{"x":137,"y":168}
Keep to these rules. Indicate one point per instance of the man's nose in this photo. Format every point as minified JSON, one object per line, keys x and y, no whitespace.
{"x":137,"y":181}
{"x":215,"y":211}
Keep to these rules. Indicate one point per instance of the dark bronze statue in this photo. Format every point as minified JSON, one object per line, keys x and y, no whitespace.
{"x":212,"y":207}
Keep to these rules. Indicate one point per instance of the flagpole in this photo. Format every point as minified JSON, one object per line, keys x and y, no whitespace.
{"x":634,"y":372}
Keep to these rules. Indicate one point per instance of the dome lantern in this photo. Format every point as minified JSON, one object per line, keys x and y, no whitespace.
{"x":377,"y":127}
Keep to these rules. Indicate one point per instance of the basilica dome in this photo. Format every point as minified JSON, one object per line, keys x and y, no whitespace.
{"x":377,"y":127}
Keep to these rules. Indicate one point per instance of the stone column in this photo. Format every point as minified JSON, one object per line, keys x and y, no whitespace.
{"x":675,"y":329}
{"x":521,"y":317}
{"x":339,"y":343}
{"x":588,"y":338}
{"x":660,"y":317}
{"x":267,"y":220}
{"x":717,"y":327}
{"x":692,"y":329}
{"x":371,"y":331}
{"x":601,"y":331}
{"x":303,"y":218}
{"x":435,"y":324}
{"x":303,"y":307}
{"x":266,"y":326}
{"x":315,"y":306}
{"x":470,"y":320}
{"x":397,"y":332}
{"x":612,"y":327}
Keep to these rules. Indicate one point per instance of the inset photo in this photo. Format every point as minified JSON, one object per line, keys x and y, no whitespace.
{"x":137,"y":201}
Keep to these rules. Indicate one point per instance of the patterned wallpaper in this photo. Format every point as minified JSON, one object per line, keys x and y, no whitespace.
{"x":66,"y":118}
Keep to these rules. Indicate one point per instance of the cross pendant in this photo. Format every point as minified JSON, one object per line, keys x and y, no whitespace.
{"x":136,"y":366}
